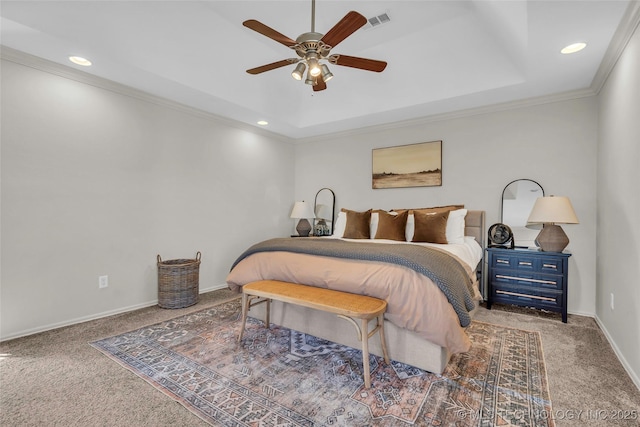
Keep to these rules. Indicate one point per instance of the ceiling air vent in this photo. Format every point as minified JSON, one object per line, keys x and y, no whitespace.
{"x":379,"y":20}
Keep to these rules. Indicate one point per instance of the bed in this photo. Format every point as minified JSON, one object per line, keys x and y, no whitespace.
{"x":431,"y":288}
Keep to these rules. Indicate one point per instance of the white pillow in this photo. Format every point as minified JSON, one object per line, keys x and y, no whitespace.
{"x":455,"y":226}
{"x":373,"y":224}
{"x":454,"y":231}
{"x":340,"y":225}
{"x":411,"y":226}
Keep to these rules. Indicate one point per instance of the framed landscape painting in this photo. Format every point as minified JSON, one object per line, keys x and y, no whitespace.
{"x":414,"y":165}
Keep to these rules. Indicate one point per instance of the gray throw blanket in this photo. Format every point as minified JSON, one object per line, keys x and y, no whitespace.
{"x":443,"y":269}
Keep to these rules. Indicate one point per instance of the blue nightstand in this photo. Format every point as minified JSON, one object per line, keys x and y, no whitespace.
{"x":528,"y":277}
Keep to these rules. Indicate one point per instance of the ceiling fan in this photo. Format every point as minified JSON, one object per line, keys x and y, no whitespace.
{"x":312,"y":48}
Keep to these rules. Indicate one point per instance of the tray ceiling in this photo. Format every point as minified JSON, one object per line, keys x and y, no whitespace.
{"x":442,"y":56}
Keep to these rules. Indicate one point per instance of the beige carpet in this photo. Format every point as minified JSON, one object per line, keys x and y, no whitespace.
{"x":57,"y":378}
{"x":588,"y":384}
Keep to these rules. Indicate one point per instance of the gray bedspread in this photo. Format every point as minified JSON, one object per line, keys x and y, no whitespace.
{"x":443,"y":269}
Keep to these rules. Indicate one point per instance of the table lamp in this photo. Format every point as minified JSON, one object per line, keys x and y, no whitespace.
{"x":302,"y":210}
{"x":549,"y":211}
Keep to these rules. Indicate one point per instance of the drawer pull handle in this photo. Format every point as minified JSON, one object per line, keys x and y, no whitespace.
{"x":515,"y":294}
{"x":502,"y":261}
{"x":550,"y":266}
{"x":525,"y":263}
{"x":546,"y":282}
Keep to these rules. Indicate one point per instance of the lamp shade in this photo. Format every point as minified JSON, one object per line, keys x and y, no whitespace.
{"x":302,"y":210}
{"x":552,"y":210}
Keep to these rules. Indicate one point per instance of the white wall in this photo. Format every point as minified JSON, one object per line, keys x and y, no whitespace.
{"x":95,"y":182}
{"x":553,"y":144}
{"x":618,"y":246}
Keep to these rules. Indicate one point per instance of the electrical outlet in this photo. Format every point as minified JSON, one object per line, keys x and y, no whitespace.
{"x":612,"y":301}
{"x":103,"y":281}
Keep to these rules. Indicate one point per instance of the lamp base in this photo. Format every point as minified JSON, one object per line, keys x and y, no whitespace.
{"x":303,"y":228}
{"x":552,"y":238}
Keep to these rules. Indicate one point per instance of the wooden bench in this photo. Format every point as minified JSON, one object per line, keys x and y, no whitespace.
{"x":346,"y":305}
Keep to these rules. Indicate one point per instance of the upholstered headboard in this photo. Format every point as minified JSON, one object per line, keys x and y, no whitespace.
{"x":474,"y":226}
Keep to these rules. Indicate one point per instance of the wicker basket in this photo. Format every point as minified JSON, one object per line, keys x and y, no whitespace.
{"x":178,"y":285}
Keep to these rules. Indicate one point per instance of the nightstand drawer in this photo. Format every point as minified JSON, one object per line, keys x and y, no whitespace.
{"x":528,"y":297}
{"x":520,"y":278}
{"x":524,"y":262}
{"x":550,"y":265}
{"x":503,"y":261}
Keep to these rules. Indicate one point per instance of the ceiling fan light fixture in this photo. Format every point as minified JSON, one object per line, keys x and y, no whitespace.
{"x":326,"y":73}
{"x":299,"y":71}
{"x":314,"y":66}
{"x":310,"y":80}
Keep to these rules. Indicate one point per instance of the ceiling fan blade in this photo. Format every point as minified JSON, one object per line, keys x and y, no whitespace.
{"x":355,"y":62}
{"x":269,"y":32}
{"x":343,"y":29}
{"x":273,"y":66}
{"x":319,"y":85}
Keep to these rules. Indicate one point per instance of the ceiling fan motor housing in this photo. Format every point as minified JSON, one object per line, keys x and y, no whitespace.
{"x":311,"y":42}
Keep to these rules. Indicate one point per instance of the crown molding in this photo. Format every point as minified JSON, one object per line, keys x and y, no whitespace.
{"x":457,"y":114}
{"x":31,"y":61}
{"x":619,"y":41}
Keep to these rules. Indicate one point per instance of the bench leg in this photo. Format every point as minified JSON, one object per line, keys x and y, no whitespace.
{"x":268,"y":315}
{"x":245,"y":308}
{"x":364,"y":334}
{"x":383,"y":343}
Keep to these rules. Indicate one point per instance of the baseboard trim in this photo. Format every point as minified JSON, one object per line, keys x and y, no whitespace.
{"x":97,"y":316}
{"x":634,"y":376}
{"x":582,"y":313}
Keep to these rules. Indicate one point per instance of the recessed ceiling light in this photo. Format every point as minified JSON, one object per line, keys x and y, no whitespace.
{"x":263,"y":122}
{"x":573,"y":48}
{"x":80,"y":61}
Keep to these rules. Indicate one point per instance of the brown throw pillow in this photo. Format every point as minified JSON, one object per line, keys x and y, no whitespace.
{"x":392,"y":227}
{"x":358,"y":224}
{"x":430,"y":228}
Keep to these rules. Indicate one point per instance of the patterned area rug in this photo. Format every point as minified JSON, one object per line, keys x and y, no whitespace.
{"x":280,"y":377}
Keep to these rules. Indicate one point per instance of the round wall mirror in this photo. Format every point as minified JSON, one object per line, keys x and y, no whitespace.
{"x":518,"y":198}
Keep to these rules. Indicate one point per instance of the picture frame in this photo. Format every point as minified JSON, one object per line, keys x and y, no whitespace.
{"x":412,"y":165}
